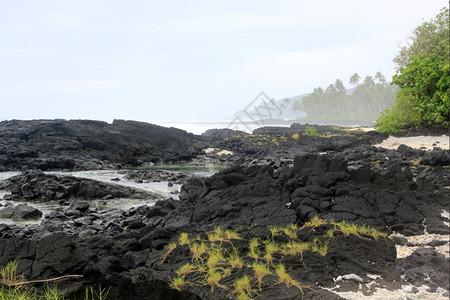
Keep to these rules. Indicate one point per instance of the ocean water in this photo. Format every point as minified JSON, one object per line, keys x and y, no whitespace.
{"x":199,"y":127}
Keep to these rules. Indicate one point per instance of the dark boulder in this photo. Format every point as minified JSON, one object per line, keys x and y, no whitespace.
{"x":233,"y":197}
{"x":36,"y":185}
{"x":85,"y":144}
{"x":20,"y":211}
{"x":437,"y":157}
{"x":25,"y":211}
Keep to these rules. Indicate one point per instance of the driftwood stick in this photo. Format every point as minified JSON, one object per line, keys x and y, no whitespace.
{"x":43,"y":280}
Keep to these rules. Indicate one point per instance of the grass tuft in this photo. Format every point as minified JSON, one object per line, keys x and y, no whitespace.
{"x":261,"y":271}
{"x":198,"y":250}
{"x":254,"y":251}
{"x":177,"y":283}
{"x":183,"y":239}
{"x":185,"y":269}
{"x":315,"y":222}
{"x":212,"y":261}
{"x":170,"y":247}
{"x":271,"y":248}
{"x":213,"y":279}
{"x":242,"y":286}
{"x":235,"y":261}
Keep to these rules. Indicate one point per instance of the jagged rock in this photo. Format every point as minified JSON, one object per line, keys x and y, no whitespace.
{"x":437,"y":157}
{"x":85,"y":144}
{"x":233,"y":197}
{"x":36,"y":185}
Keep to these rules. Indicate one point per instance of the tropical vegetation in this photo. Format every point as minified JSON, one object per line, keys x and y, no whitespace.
{"x":364,"y":101}
{"x":423,"y":78}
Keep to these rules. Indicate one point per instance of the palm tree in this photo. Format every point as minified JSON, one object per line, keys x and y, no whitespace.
{"x":380,"y":78}
{"x":368,"y":80}
{"x":339,"y":85}
{"x":296,"y":106}
{"x":286,"y":103}
{"x":354,"y":80}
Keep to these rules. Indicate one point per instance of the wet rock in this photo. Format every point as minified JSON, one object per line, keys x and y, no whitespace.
{"x":20,"y":211}
{"x":7,"y":212}
{"x":81,"y":206}
{"x":25,"y":211}
{"x":158,"y":176}
{"x":36,"y":185}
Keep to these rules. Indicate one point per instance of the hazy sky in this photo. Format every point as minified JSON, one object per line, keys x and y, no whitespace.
{"x":188,"y":60}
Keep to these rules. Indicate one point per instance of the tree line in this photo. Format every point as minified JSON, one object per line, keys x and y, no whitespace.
{"x":423,"y":78}
{"x":368,"y":98}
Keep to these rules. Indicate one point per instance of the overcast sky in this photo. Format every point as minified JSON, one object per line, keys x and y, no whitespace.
{"x":188,"y":60}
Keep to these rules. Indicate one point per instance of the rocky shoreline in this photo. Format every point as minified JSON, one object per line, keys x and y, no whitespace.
{"x":281,"y":178}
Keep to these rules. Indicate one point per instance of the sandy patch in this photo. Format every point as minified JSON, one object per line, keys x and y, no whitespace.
{"x":375,"y":287}
{"x":422,"y":240}
{"x":365,"y":129}
{"x":405,"y":251}
{"x":406,"y":292}
{"x":217,"y":151}
{"x":416,"y":142}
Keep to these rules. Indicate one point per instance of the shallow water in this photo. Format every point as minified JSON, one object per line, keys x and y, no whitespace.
{"x":203,"y":169}
{"x":6,"y":175}
{"x":160,"y":188}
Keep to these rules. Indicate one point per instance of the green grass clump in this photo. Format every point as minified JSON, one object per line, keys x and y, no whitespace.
{"x":223,"y":236}
{"x":214,"y":258}
{"x":184,"y":239}
{"x":169,"y":250}
{"x":198,"y":250}
{"x":187,"y":268}
{"x":260,"y":270}
{"x":311,"y":131}
{"x":319,"y":246}
{"x":177,"y":283}
{"x":291,"y":231}
{"x":348,"y":229}
{"x":254,"y":251}
{"x":295,"y":248}
{"x":274,"y":231}
{"x":235,"y":261}
{"x":13,"y":287}
{"x":271,"y":248}
{"x":92,"y":294}
{"x":8,"y":272}
{"x":243,"y":288}
{"x":51,"y":293}
{"x":315,"y":222}
{"x":213,"y":280}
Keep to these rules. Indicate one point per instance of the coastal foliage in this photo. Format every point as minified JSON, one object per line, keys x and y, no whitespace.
{"x":365,"y":102}
{"x":423,"y":78}
{"x":244,"y":268}
{"x":311,"y":131}
{"x":13,"y":287}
